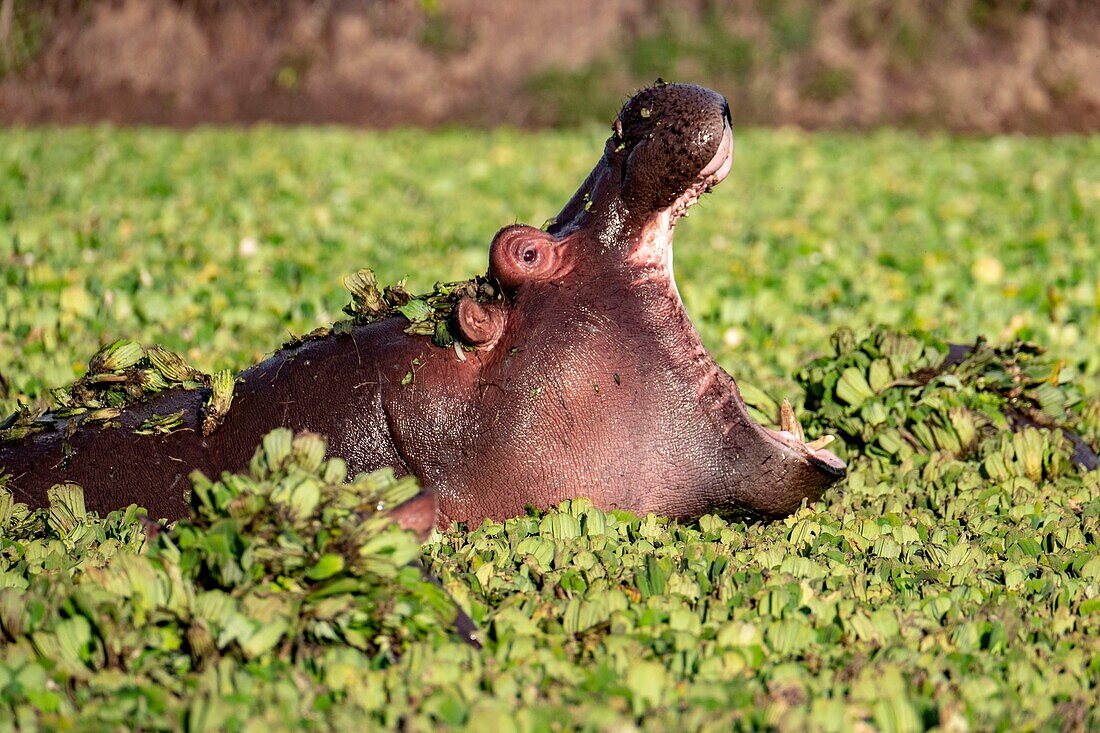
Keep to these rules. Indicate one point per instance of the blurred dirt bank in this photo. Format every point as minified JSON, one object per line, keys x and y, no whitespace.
{"x":966,"y":65}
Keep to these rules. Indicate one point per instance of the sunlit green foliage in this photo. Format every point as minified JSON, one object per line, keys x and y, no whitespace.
{"x":938,"y":587}
{"x":221,"y":244}
{"x":284,"y":578}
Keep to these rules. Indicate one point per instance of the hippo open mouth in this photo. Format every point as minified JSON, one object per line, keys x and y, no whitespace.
{"x":653,"y":255}
{"x":669,"y":145}
{"x":790,"y":435}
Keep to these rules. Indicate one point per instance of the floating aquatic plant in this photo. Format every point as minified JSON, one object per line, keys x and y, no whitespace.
{"x":903,"y":397}
{"x":428,"y":315}
{"x":287,"y":576}
{"x":119,"y":375}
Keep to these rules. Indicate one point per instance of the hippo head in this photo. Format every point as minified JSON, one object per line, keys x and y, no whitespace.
{"x":591,"y":315}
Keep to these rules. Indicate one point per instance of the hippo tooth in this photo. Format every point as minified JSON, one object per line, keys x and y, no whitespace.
{"x":821,"y":442}
{"x":788,"y":421}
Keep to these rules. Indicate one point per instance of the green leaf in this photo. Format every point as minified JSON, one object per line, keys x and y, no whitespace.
{"x":416,"y":310}
{"x":326,"y":567}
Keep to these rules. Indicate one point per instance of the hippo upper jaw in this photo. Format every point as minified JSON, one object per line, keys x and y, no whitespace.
{"x":651,"y":248}
{"x":712,"y":174}
{"x":667,"y":140}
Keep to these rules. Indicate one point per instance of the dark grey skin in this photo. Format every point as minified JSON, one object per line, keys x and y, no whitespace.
{"x":586,"y":379}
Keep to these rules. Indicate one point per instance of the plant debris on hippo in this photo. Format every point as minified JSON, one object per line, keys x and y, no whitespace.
{"x":570,"y":369}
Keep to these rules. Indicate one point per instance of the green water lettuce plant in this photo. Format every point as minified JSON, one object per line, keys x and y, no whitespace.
{"x":286,"y":575}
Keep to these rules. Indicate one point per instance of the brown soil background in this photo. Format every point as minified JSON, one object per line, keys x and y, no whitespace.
{"x":964,"y":65}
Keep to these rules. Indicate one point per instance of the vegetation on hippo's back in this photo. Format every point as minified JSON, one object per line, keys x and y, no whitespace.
{"x":428,"y":314}
{"x":936,"y":588}
{"x":122,"y":374}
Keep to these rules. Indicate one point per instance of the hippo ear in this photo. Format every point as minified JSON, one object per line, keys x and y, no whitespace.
{"x":520,"y":254}
{"x":479,"y":325}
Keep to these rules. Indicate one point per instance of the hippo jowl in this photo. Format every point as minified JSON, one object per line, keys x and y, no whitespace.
{"x":576,"y":372}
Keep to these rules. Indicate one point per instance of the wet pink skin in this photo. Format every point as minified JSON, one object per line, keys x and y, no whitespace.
{"x":586,"y":379}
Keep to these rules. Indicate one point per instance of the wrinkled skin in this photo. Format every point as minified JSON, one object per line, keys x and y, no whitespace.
{"x":587,"y":378}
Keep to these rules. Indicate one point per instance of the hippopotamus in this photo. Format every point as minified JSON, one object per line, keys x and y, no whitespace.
{"x":584,"y":376}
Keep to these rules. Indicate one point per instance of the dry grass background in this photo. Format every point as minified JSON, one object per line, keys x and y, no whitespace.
{"x":966,"y":65}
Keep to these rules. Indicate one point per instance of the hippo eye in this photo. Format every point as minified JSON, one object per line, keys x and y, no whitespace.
{"x":529,"y":255}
